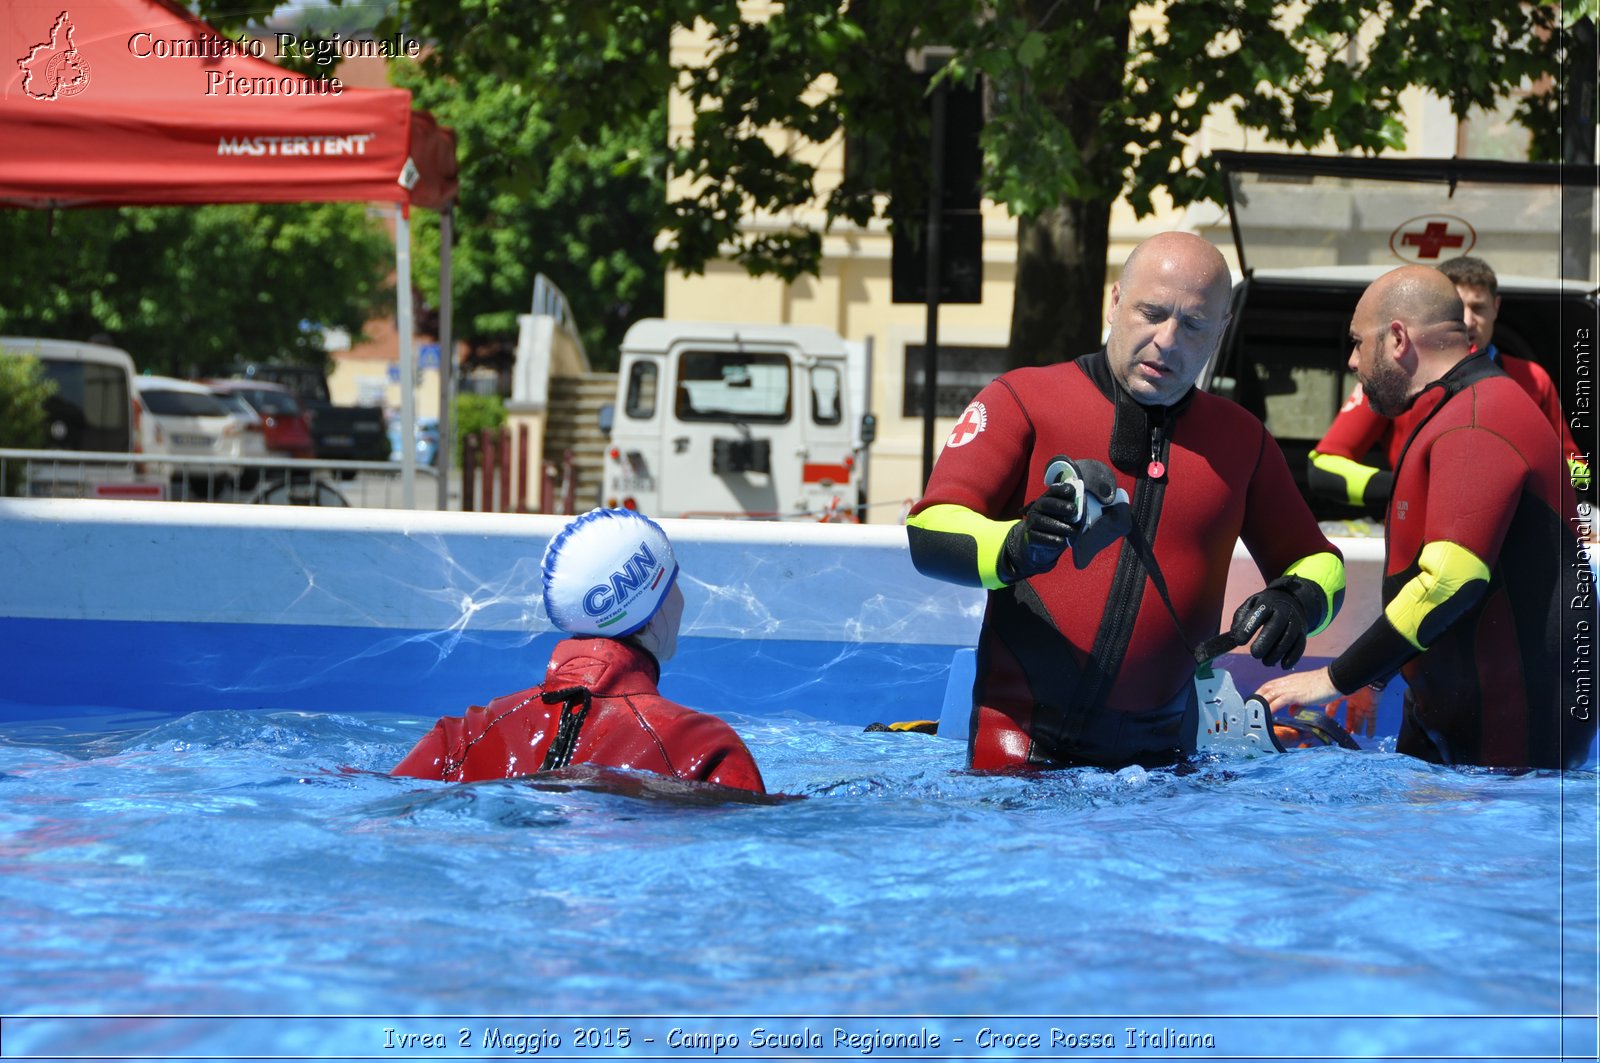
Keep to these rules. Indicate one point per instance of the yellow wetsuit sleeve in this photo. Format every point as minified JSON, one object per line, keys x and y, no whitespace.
{"x":1326,"y":571}
{"x":1449,"y":579}
{"x":958,"y":545}
{"x":1337,"y":477}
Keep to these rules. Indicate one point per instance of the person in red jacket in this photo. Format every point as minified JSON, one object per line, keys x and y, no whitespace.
{"x":1487,"y":594}
{"x":610,"y":581}
{"x":1337,"y":468}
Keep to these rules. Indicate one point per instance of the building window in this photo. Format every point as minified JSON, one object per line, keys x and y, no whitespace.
{"x":963,"y":372}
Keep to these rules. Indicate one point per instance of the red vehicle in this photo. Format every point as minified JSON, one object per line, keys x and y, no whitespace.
{"x":283,"y":422}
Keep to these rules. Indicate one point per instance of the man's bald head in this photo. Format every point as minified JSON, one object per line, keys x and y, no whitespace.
{"x":1407,"y":332}
{"x":1422,"y":298}
{"x":1187,"y":253}
{"x":1168,"y":313}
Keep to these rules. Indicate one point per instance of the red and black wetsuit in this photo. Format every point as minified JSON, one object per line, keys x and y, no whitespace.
{"x":1087,"y":666}
{"x":1485,"y":586}
{"x":1337,"y":468}
{"x":615,"y":716}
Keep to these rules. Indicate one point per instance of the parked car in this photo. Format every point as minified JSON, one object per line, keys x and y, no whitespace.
{"x":349,"y":433}
{"x":283,"y":421}
{"x":91,"y":409}
{"x":427,"y":440}
{"x":181,"y":417}
{"x":252,"y":437}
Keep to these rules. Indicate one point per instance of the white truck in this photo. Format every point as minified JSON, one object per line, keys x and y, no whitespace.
{"x":739,"y":421}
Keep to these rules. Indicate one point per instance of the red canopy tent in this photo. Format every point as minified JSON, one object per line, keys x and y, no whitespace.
{"x":135,"y":102}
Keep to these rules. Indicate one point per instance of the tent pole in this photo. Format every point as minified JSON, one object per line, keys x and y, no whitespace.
{"x":408,"y":359}
{"x":447,"y":356}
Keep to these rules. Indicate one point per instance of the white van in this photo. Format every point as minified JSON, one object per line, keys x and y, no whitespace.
{"x":92,"y":409}
{"x":739,"y":420}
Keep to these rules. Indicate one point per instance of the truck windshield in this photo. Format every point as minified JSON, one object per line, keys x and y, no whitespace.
{"x":733,"y":386}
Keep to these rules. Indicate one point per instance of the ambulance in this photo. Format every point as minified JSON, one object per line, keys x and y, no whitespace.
{"x":740,"y":421}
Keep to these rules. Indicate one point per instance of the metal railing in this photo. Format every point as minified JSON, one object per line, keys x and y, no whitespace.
{"x":495,"y":475}
{"x":182,"y":478}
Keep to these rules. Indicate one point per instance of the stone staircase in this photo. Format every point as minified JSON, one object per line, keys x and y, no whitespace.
{"x":572,"y":422}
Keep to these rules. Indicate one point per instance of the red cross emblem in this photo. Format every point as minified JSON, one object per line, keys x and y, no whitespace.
{"x":1425,"y":239}
{"x":973,"y":420}
{"x":1357,"y":398}
{"x":1429,"y":241}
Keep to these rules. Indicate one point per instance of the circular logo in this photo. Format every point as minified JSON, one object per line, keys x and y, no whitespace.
{"x":1431,"y":238}
{"x":973,"y":421}
{"x":67,"y":74}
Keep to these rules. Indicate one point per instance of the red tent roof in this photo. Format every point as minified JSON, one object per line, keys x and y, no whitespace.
{"x":112,"y":102}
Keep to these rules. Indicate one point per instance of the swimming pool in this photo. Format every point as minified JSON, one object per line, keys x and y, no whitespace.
{"x":231,"y":863}
{"x":194,"y":838}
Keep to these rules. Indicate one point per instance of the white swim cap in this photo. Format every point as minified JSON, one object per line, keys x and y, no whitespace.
{"x":607,"y":573}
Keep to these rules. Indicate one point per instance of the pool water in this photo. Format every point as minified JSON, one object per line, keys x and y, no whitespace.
{"x":230,"y":863}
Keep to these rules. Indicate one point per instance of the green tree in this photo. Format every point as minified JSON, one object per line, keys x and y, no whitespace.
{"x":1084,"y":107}
{"x":536,"y":195}
{"x":533,"y":202}
{"x":188,"y":290}
{"x":474,"y":413}
{"x":24,"y":387}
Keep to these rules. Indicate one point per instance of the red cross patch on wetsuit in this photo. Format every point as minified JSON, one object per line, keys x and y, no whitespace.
{"x":974,"y":419}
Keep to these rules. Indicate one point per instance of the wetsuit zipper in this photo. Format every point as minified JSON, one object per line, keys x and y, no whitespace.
{"x":1127,"y":585}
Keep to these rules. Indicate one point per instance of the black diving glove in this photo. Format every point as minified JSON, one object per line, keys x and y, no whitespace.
{"x":1036,"y":542}
{"x":1069,"y":513}
{"x":1278,"y":618}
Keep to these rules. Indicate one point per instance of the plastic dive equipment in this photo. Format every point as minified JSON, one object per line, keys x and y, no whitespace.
{"x":1096,"y":533}
{"x":1230,"y":723}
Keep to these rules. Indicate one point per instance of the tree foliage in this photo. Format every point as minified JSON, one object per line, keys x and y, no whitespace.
{"x":24,"y":387}
{"x":532,"y":202}
{"x":1084,"y":106}
{"x":580,"y":203}
{"x":474,"y":414}
{"x":188,"y":290}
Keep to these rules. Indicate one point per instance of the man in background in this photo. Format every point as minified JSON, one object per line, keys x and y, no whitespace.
{"x":1337,"y":466}
{"x":1480,"y":548}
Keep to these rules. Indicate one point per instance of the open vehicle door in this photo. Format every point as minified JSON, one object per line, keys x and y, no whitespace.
{"x":1312,"y":232}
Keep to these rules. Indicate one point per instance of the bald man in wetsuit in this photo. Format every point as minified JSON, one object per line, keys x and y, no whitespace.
{"x":1336,"y":469}
{"x":1480,"y":553}
{"x":1088,"y":658}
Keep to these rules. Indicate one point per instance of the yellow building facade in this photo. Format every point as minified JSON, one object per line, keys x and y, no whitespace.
{"x":852,"y":293}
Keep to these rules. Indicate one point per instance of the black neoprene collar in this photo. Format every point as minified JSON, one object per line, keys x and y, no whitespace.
{"x":1135,"y":422}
